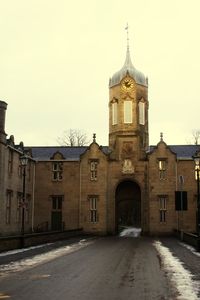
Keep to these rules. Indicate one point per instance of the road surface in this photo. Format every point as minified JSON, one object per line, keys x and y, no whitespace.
{"x":110,"y":268}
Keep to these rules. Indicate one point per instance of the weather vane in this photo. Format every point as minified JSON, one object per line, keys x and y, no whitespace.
{"x":126,"y":28}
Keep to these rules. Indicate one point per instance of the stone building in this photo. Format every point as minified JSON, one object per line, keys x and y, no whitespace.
{"x":11,"y":187}
{"x":103,"y":188}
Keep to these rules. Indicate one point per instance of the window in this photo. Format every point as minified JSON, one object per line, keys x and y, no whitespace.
{"x":162,"y":168}
{"x":127,"y":111}
{"x":114,"y":113}
{"x":93,"y":169}
{"x":10,"y":161}
{"x":141,"y":113}
{"x":8,"y":206}
{"x":57,"y":169}
{"x":162,"y":207}
{"x":180,"y":200}
{"x":93,"y":208}
{"x":19,"y":205}
{"x":57,"y":202}
{"x":196,"y":171}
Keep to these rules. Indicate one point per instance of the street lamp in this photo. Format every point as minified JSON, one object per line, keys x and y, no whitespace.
{"x":23,"y":161}
{"x":197,"y":175}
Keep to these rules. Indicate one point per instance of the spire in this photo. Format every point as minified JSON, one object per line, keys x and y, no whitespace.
{"x":161,"y":137}
{"x":128,"y":68}
{"x":94,"y":137}
{"x":128,"y":63}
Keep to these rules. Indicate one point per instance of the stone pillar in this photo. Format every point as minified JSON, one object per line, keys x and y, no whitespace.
{"x":3,"y":107}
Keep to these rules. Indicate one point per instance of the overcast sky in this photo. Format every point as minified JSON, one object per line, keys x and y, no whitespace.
{"x":56,"y":58}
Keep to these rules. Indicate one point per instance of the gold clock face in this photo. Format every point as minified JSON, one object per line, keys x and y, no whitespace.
{"x":127,"y":84}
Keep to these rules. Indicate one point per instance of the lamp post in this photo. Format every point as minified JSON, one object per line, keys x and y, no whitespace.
{"x":23,"y":161}
{"x":197,"y":177}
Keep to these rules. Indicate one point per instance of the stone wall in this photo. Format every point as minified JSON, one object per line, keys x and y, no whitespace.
{"x":159,"y":187}
{"x":13,"y":184}
{"x":68,"y":187}
{"x":14,"y":242}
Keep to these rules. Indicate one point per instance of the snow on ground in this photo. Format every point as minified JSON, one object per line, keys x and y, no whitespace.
{"x":181,"y":278}
{"x":12,"y":252}
{"x":131,"y":232}
{"x":24,"y":264}
{"x":192,"y":249}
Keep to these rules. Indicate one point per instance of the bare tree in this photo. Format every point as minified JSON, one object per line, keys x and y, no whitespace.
{"x":196,"y":136}
{"x":73,"y":137}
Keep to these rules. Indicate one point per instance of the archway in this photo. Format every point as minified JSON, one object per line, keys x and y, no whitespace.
{"x":128,"y":205}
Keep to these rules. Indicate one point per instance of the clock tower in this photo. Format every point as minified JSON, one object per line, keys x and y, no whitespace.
{"x":128,"y":113}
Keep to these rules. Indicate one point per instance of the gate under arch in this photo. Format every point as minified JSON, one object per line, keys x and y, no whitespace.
{"x":128,"y":205}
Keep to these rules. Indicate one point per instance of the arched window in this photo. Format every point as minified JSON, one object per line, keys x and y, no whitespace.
{"x":114,"y":113}
{"x":141,"y":113}
{"x":128,"y":111}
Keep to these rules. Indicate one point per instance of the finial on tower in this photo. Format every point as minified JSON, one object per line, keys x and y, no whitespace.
{"x":94,"y":137}
{"x":161,"y":136}
{"x":126,"y":28}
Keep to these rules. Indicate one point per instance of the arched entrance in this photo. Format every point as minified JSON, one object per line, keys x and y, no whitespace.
{"x":128,"y":205}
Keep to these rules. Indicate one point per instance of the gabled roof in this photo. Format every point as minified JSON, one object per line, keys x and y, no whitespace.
{"x":69,"y":153}
{"x":182,"y":151}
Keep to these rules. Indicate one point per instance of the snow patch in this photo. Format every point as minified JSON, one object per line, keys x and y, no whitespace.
{"x":131,"y":232}
{"x":180,"y":277}
{"x":12,"y":252}
{"x":41,"y":258}
{"x":192,"y":249}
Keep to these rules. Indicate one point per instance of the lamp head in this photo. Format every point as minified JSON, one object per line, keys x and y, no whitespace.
{"x":24,"y":160}
{"x":196,"y":159}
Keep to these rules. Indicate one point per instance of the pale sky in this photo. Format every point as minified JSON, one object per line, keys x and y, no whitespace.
{"x":57,"y":56}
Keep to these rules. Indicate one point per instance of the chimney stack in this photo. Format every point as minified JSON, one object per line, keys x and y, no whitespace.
{"x":3,"y":107}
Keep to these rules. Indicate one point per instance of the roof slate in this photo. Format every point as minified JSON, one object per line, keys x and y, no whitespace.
{"x":69,"y":153}
{"x":182,"y":151}
{"x":73,"y":153}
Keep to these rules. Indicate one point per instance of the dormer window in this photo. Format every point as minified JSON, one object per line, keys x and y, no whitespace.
{"x":162,"y":163}
{"x":10,"y":161}
{"x":57,"y":171}
{"x":93,"y":169}
{"x":57,"y":166}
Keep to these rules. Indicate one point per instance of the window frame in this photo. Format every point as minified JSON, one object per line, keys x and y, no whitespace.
{"x":128,"y":112}
{"x":162,"y":168}
{"x":10,"y":160}
{"x":9,"y":195}
{"x":93,"y":208}
{"x":114,"y":113}
{"x":162,"y":202}
{"x":93,"y":169}
{"x":142,"y":113}
{"x":56,"y":202}
{"x":57,"y":170}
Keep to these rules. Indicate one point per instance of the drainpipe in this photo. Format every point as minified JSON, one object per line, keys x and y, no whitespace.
{"x":79,"y":216}
{"x":33,"y":198}
{"x":177,"y":213}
